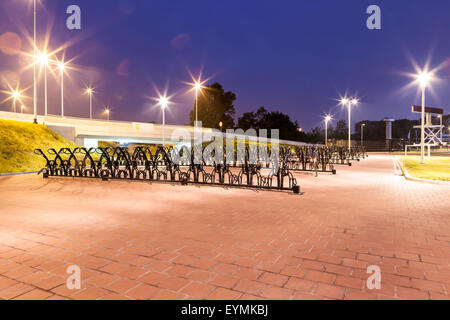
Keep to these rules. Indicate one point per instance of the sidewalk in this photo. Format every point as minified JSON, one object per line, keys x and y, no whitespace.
{"x":159,"y":241}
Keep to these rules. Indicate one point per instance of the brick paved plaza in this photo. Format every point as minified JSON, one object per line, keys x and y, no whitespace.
{"x":161,"y":241}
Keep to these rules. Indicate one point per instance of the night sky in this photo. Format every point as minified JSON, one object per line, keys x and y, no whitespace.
{"x":293,"y":56}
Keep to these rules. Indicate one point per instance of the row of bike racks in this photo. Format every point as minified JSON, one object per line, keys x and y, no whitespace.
{"x":179,"y":166}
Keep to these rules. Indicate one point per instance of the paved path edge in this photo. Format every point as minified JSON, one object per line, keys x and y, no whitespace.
{"x":16,"y":173}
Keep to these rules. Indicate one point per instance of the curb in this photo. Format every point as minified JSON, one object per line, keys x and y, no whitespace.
{"x":16,"y":173}
{"x":411,"y":178}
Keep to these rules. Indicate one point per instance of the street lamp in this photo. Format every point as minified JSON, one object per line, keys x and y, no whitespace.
{"x":362,"y":133}
{"x":327,"y":119}
{"x":43,"y":59}
{"x":353,"y":102}
{"x":90,"y":91}
{"x":163,"y":102}
{"x":107,"y":112}
{"x":34,"y":67}
{"x":22,"y":107}
{"x":61,"y":67}
{"x":423,"y":79}
{"x":15,"y":95}
{"x":198,"y":87}
{"x":348,"y":103}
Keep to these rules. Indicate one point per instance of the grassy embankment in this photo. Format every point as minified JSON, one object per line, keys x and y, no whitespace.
{"x":435,"y":168}
{"x":18,"y":141}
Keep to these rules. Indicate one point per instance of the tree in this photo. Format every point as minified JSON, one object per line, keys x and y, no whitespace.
{"x":317,"y":135}
{"x":252,"y":119}
{"x":263,"y":119}
{"x":215,"y":106}
{"x":341,"y":131}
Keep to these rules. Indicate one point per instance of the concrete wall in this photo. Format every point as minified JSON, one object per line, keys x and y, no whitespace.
{"x":66,"y":132}
{"x":84,"y":131}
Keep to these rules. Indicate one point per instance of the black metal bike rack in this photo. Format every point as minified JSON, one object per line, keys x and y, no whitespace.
{"x":143,"y":165}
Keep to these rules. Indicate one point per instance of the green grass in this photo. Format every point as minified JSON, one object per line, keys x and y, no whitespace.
{"x":18,"y":141}
{"x":435,"y":168}
{"x":416,"y":151}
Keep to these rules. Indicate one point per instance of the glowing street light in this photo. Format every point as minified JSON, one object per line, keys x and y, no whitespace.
{"x":22,"y":107}
{"x":62,"y":67}
{"x":423,"y":78}
{"x":197,"y":85}
{"x":15,"y":95}
{"x":107,"y":112}
{"x":90,"y":91}
{"x":344,"y":101}
{"x":327,"y":119}
{"x":164,"y":102}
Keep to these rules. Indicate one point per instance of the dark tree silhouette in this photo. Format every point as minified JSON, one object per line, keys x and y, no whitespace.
{"x":263,"y":119}
{"x":215,"y":106}
{"x":341,"y":130}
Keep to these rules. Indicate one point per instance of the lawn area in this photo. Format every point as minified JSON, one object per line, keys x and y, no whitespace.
{"x":444,"y":151}
{"x":18,"y":141}
{"x":435,"y":168}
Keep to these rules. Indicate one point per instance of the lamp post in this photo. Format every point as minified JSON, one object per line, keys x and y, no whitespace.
{"x":362,"y":134}
{"x":107,"y":112}
{"x":43,"y":58}
{"x":423,"y":79}
{"x":198,"y":88}
{"x":22,"y":107}
{"x":327,"y":119}
{"x":351,"y":102}
{"x":34,"y":68}
{"x":163,"y":102}
{"x":348,"y":103}
{"x":61,"y":68}
{"x":349,"y":126}
{"x":90,"y":91}
{"x":15,"y":95}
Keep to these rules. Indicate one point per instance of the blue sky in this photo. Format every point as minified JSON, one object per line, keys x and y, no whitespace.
{"x":292,"y":56}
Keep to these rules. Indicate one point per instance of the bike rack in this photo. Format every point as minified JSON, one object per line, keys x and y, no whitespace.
{"x":143,"y":165}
